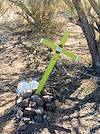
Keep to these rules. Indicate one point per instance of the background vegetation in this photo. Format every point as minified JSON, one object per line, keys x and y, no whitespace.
{"x":84,"y":13}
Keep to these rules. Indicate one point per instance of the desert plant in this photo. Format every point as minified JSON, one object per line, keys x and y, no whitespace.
{"x":36,"y":11}
{"x":88,"y":18}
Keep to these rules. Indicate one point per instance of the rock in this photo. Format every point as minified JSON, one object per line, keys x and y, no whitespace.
{"x":32,"y":104}
{"x":26,"y":120}
{"x":25,"y":103}
{"x":16,"y":108}
{"x":50,"y":106}
{"x":98,"y":81}
{"x":23,"y":127}
{"x":44,"y":117}
{"x":50,"y":94}
{"x":26,"y":88}
{"x":29,"y":112}
{"x":22,"y":87}
{"x":32,"y":121}
{"x":19,"y":114}
{"x":47,"y":98}
{"x":37,"y":99}
{"x":19,"y":101}
{"x":39,"y":111}
{"x":38,"y":118}
{"x":58,"y":103}
{"x":27,"y":94}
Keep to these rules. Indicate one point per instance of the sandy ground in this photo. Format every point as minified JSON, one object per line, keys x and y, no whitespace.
{"x":22,"y":57}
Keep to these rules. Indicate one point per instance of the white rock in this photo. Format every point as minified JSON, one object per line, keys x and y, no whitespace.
{"x":22,"y":87}
{"x":28,"y":108}
{"x":33,"y":84}
{"x":26,"y":119}
{"x":25,"y":86}
{"x":19,"y":100}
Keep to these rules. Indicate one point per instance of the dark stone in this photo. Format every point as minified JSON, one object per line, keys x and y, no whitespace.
{"x":29,"y":112}
{"x":23,"y":127}
{"x":44,"y":117}
{"x":39,"y":111}
{"x":50,"y":106}
{"x":98,"y":81}
{"x":32,"y":104}
{"x":37,"y":99}
{"x":19,"y":114}
{"x":27,"y":94}
{"x":47,"y":98}
{"x":38,"y":118}
{"x":16,"y":108}
{"x":26,"y":120}
{"x":25,"y":103}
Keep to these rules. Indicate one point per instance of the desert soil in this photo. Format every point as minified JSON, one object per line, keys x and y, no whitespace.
{"x":23,"y":57}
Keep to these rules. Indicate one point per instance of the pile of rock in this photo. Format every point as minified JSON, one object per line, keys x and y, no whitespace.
{"x":30,"y":107}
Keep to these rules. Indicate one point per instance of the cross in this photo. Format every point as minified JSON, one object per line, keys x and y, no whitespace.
{"x":58,"y":50}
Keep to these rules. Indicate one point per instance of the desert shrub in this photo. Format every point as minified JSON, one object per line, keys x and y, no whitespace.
{"x":87,"y":14}
{"x":37,"y":12}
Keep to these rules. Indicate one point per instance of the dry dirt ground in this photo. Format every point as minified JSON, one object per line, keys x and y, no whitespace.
{"x":23,"y":57}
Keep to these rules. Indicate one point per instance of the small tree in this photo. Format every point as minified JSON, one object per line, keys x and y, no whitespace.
{"x":88,"y":12}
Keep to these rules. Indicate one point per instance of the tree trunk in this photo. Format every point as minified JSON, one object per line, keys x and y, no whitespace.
{"x":86,"y":27}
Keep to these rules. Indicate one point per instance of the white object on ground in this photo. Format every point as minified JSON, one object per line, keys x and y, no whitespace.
{"x":33,"y":84}
{"x":24,"y":86}
{"x":19,"y":100}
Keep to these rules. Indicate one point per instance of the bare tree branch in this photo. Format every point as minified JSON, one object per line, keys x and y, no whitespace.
{"x":86,"y":29}
{"x":95,"y":6}
{"x":23,"y":7}
{"x":10,"y":6}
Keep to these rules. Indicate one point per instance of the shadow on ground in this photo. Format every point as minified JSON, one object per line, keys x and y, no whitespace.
{"x":20,"y":59}
{"x":76,"y":118}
